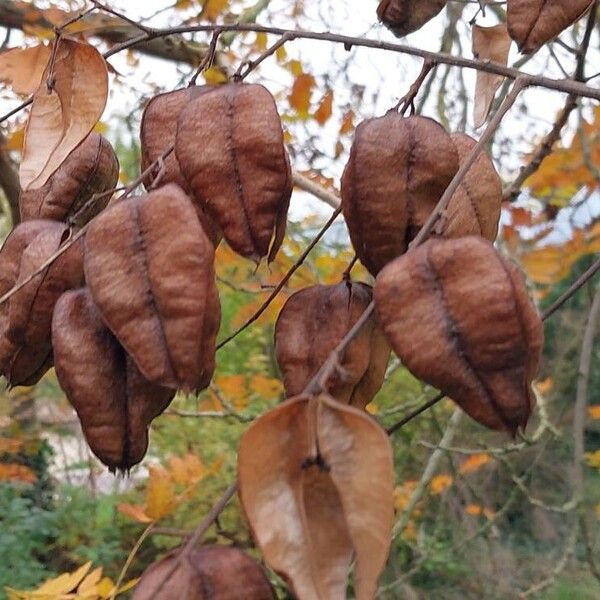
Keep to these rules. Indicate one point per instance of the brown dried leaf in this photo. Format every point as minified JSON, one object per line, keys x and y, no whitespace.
{"x":310,"y":326}
{"x":92,"y":168}
{"x":405,"y":16}
{"x":60,"y":120}
{"x":458,"y":316}
{"x":310,"y":514}
{"x":490,"y":44}
{"x":533,"y":23}
{"x":157,"y":134}
{"x":397,"y":172}
{"x":20,"y":365}
{"x":114,"y":402}
{"x":230,"y":149}
{"x":149,"y":267}
{"x":22,"y":68}
{"x":475,"y":207}
{"x":206,"y":572}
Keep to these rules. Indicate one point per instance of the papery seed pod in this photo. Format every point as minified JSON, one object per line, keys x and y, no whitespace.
{"x":474,"y":209}
{"x":533,"y":23}
{"x":92,"y":168}
{"x":405,"y":16}
{"x":25,"y":350}
{"x":157,"y":134}
{"x":397,"y":172}
{"x":312,"y":323}
{"x":230,"y":149}
{"x":113,"y":401}
{"x":31,"y":307}
{"x":149,"y":267}
{"x":205,"y":573}
{"x":458,"y":316}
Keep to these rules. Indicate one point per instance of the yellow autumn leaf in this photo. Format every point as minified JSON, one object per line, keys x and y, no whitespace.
{"x":281,"y":54}
{"x":135,"y":512}
{"x":17,"y":473}
{"x":544,"y":387}
{"x":160,"y":494}
{"x":266,"y":387}
{"x":475,"y":510}
{"x":440,"y":483}
{"x":295,"y":67}
{"x":14,"y":142}
{"x":301,"y":94}
{"x":261,"y":41}
{"x":105,"y":587}
{"x":593,"y":459}
{"x":64,"y":583}
{"x":89,"y":583}
{"x":213,"y":9}
{"x":594,"y":412}
{"x":325,"y":110}
{"x":474,"y":462}
{"x":187,"y":470}
{"x":214,"y":76}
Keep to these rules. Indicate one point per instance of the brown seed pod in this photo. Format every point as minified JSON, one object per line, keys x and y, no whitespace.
{"x":397,"y":172}
{"x":206,"y":573}
{"x":31,"y":307}
{"x":25,"y":349}
{"x":532,"y":23}
{"x":405,"y":16}
{"x":312,"y":323}
{"x":114,"y":402}
{"x":149,"y":267}
{"x":157,"y":134}
{"x":458,"y":316}
{"x":474,"y":209}
{"x":92,"y":168}
{"x":230,"y":148}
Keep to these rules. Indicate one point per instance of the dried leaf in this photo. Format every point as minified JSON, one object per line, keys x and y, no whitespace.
{"x":113,"y":401}
{"x":310,"y":513}
{"x":149,"y":267}
{"x":92,"y":168}
{"x":533,"y":23}
{"x":22,"y":68}
{"x":242,"y":176}
{"x":405,"y":16}
{"x":490,"y":44}
{"x":310,"y":326}
{"x":397,"y":171}
{"x":160,"y":494}
{"x":60,"y":120}
{"x":225,"y":572}
{"x":323,"y":113}
{"x":302,"y":93}
{"x":458,"y":316}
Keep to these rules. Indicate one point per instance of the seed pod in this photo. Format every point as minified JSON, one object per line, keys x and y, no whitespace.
{"x":25,"y":319}
{"x":533,"y":23}
{"x":149,"y":267}
{"x":458,"y":316}
{"x":474,"y":209}
{"x":206,"y":573}
{"x":92,"y":168}
{"x":114,"y":402}
{"x":405,"y":16}
{"x":157,"y":135}
{"x":20,"y":366}
{"x":230,"y":148}
{"x":397,"y":172}
{"x":31,"y":307}
{"x":312,"y":323}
